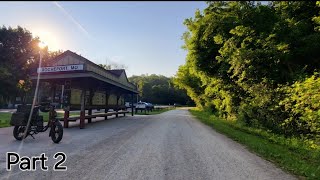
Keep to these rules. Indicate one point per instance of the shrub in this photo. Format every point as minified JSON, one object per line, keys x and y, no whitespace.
{"x":303,"y":104}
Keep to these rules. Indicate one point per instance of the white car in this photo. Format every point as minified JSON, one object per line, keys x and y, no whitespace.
{"x":128,"y":105}
{"x":141,"y":105}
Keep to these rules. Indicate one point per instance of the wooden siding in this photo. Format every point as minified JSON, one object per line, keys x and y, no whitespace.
{"x":68,"y":59}
{"x":97,"y":99}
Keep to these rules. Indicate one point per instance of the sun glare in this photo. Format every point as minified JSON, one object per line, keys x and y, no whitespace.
{"x":50,"y":39}
{"x":42,"y":45}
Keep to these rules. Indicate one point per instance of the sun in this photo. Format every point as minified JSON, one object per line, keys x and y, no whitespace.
{"x":50,"y":38}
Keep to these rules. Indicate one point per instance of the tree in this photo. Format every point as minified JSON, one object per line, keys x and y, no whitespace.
{"x":158,"y":89}
{"x":19,"y":54}
{"x":242,"y":56}
{"x":105,"y":66}
{"x":113,"y":65}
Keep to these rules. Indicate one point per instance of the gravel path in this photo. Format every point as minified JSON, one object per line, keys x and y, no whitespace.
{"x":172,"y":145}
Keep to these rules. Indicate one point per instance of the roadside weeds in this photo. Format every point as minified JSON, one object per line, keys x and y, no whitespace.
{"x":291,"y":154}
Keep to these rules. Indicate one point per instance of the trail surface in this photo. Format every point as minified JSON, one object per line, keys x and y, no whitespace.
{"x":171,"y":145}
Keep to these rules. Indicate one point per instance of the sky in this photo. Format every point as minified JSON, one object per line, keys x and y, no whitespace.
{"x":143,"y":36}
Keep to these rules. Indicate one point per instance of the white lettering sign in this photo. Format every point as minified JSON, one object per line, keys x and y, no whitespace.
{"x":75,"y":67}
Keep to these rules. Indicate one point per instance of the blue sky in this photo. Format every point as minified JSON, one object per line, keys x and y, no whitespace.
{"x":144,"y":36}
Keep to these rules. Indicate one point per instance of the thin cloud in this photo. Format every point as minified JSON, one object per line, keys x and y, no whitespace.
{"x":72,"y":19}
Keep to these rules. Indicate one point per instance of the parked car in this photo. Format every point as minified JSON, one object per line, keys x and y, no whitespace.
{"x":150,"y":106}
{"x":16,"y":106}
{"x":141,"y":105}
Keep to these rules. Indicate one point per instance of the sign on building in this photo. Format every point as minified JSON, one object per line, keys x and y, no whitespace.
{"x":75,"y":67}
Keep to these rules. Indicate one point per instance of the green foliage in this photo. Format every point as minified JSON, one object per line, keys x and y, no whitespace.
{"x":297,"y":155}
{"x":243,"y":58}
{"x":192,"y":85}
{"x":303,"y":104}
{"x":19,"y":57}
{"x":113,"y":65}
{"x":159,"y":89}
{"x":105,"y":66}
{"x":16,"y":49}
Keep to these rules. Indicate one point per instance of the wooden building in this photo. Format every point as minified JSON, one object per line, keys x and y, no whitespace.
{"x":85,"y":85}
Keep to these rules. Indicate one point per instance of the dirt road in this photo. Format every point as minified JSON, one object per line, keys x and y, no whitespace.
{"x":172,"y":145}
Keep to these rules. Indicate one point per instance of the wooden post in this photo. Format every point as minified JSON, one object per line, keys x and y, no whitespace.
{"x":131,"y":104}
{"x":117,"y":105}
{"x":38,"y":96}
{"x":65,"y":118}
{"x":106,"y":108}
{"x":61,"y":97}
{"x":89,"y":113}
{"x":53,"y":92}
{"x":82,"y":112}
{"x":90,"y":103}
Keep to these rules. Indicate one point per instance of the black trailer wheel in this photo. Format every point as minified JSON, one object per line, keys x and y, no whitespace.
{"x":18,"y":132}
{"x":56,"y":132}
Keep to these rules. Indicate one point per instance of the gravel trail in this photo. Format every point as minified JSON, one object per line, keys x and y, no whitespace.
{"x":171,"y":145}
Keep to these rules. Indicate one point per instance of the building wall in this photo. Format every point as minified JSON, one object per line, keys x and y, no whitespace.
{"x":98,"y":98}
{"x":68,"y":60}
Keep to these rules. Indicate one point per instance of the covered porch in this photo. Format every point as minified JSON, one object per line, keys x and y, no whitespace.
{"x":86,"y":87}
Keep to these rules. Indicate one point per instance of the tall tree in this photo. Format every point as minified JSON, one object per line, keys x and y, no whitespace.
{"x":242,"y":56}
{"x":19,"y":55}
{"x":158,"y":89}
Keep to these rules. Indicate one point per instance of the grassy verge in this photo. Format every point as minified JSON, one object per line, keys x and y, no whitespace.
{"x":301,"y":158}
{"x":158,"y":111}
{"x":5,"y":117}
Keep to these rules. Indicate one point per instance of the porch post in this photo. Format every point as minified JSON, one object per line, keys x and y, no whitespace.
{"x":89,"y":113}
{"x":131,"y":104}
{"x":53,"y":92}
{"x":106,"y":108}
{"x":38,"y":96}
{"x":82,"y":112}
{"x":117,"y":104}
{"x":65,"y":118}
{"x":90,"y":103}
{"x":61,"y":97}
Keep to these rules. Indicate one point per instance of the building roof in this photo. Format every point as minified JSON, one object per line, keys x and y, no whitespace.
{"x":118,"y":76}
{"x":117,"y":72}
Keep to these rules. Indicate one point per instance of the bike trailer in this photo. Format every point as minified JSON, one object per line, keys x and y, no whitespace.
{"x":20,"y":118}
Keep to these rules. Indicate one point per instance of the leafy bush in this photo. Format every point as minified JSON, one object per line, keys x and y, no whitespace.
{"x":246,"y":60}
{"x":303,"y":104}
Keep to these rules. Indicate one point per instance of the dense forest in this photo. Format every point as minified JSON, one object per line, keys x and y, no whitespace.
{"x":159,"y":89}
{"x":256,"y":64}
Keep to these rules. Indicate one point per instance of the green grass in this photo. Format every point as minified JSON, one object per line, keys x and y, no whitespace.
{"x":5,"y":117}
{"x":154,"y":111}
{"x":297,"y":156}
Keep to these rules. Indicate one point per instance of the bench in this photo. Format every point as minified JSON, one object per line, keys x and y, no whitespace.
{"x":75,"y":118}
